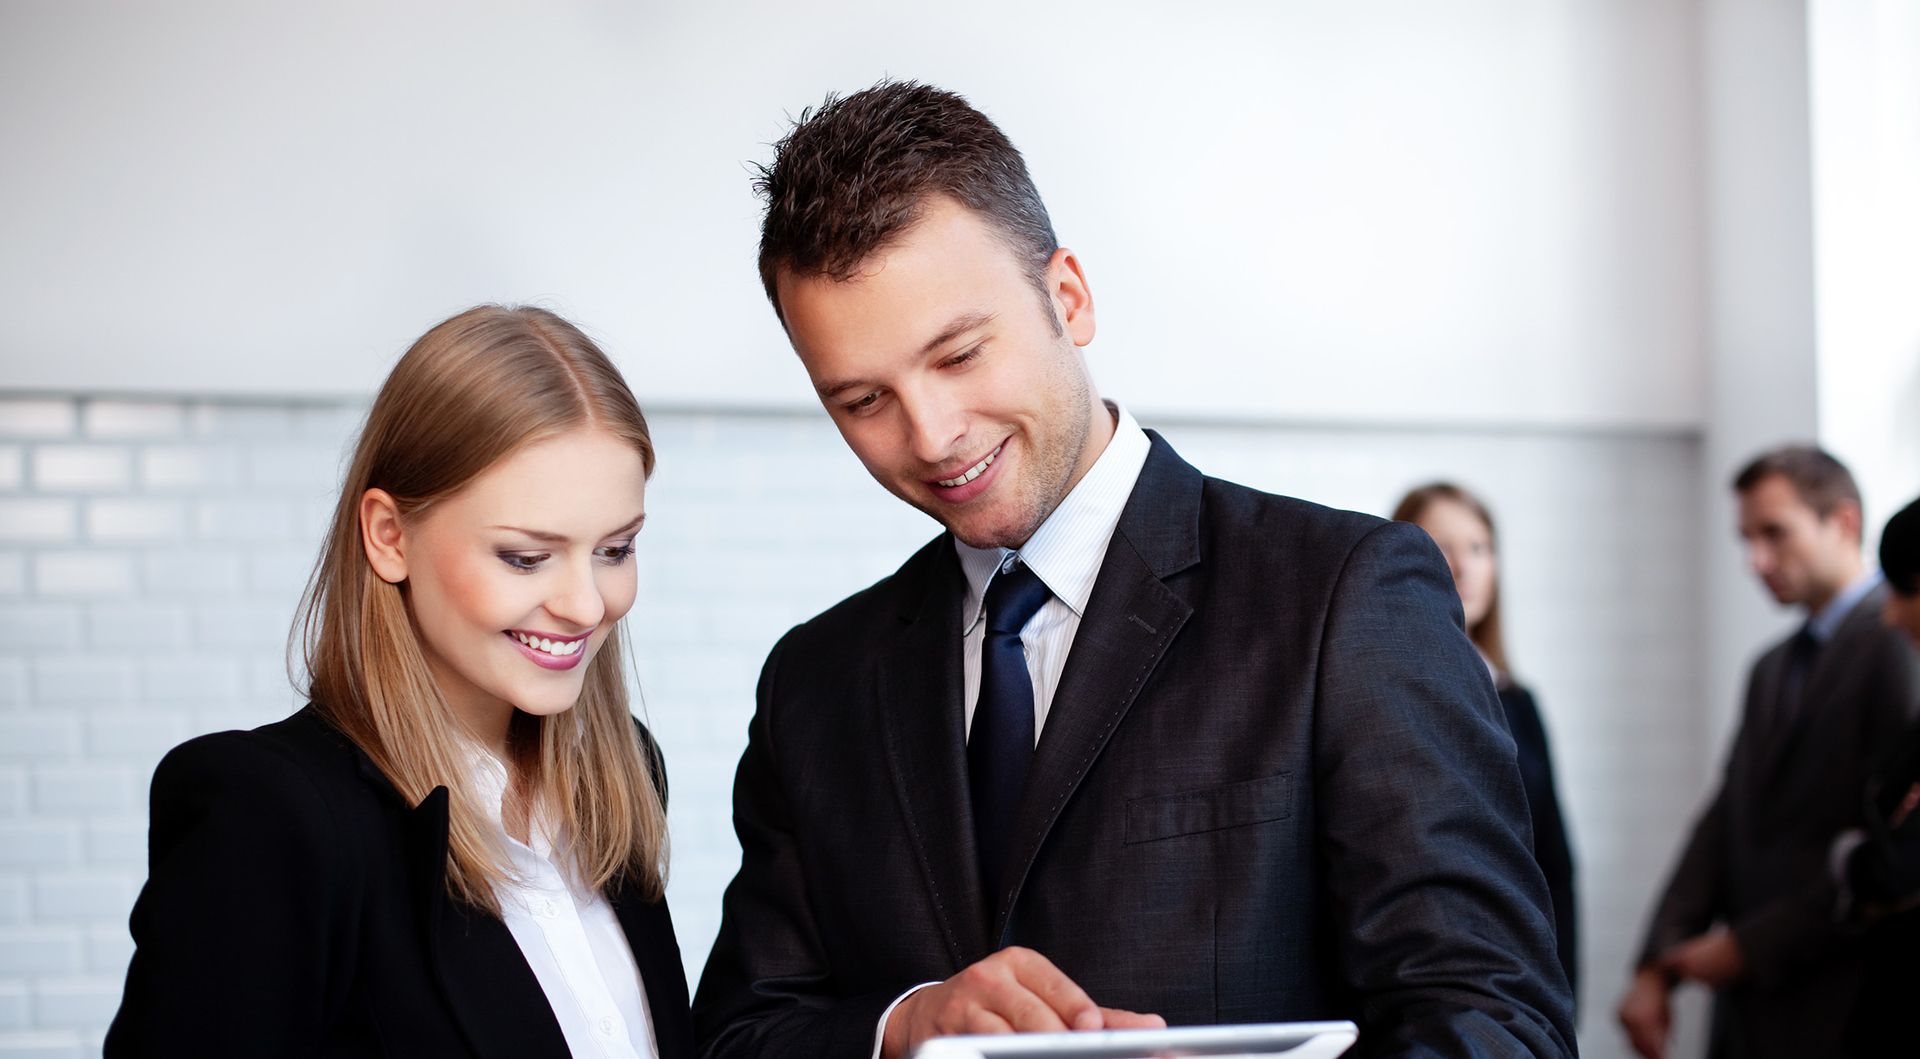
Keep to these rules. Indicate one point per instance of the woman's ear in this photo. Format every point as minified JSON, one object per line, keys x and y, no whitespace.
{"x":382,"y":537}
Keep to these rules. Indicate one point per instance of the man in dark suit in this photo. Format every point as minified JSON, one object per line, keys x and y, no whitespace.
{"x":1749,"y":910}
{"x":1126,"y":743}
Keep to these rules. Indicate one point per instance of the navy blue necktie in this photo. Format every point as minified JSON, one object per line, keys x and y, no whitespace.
{"x":1803,"y":650}
{"x":1000,"y":746}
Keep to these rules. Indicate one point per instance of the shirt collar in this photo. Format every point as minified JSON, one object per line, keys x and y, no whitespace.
{"x":1067,"y":549}
{"x":489,"y":776}
{"x":1823,"y":625}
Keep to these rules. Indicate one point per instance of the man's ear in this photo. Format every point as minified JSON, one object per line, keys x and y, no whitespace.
{"x":1067,"y":284}
{"x":382,"y":537}
{"x":1847,"y":513}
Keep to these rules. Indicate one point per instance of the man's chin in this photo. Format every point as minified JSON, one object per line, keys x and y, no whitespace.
{"x":989,"y":532}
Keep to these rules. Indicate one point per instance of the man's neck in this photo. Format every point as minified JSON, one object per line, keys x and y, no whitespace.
{"x":1831,"y":589}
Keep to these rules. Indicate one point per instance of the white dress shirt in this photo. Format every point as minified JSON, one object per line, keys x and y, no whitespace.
{"x":570,"y":938}
{"x":1065,"y":553}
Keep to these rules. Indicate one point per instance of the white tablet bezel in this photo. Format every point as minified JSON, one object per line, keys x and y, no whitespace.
{"x":1291,"y":1040}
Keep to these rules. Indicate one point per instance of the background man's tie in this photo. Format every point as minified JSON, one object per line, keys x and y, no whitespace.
{"x":1000,"y":746}
{"x":1803,"y":650}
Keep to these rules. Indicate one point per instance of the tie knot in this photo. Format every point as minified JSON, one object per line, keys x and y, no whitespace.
{"x":1013,"y":598}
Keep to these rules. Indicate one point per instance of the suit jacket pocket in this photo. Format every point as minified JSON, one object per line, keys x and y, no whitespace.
{"x":1213,"y":809}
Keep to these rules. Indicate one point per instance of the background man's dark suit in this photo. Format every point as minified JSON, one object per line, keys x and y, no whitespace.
{"x":1757,"y":858}
{"x":1273,"y":784}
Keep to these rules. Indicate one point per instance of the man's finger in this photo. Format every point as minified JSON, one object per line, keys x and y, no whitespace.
{"x":1120,"y":1019}
{"x":1069,"y":1003}
{"x":1024,"y":1010}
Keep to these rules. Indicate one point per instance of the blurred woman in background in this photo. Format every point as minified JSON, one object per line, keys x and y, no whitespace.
{"x":458,"y":848}
{"x":1459,"y":523}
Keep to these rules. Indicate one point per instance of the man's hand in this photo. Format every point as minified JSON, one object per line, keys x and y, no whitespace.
{"x":1712,"y":959}
{"x":1014,"y":990}
{"x":1646,"y":1014}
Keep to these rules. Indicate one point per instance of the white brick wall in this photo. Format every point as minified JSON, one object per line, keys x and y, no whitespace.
{"x":151,"y":553}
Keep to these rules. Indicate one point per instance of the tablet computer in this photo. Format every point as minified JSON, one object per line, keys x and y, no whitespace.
{"x":1291,"y":1040}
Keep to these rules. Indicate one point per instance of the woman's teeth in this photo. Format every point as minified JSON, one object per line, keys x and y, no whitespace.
{"x":559,"y":648}
{"x":972,"y":472}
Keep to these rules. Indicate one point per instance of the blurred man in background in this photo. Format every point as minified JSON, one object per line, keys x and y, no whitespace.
{"x":1749,"y":910}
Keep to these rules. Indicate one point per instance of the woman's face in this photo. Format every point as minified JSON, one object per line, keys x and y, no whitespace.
{"x":1468,"y":546}
{"x":517,"y":580}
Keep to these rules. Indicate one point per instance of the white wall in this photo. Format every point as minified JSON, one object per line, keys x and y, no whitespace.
{"x":1319,"y":210}
{"x":151,"y":554}
{"x":1865,"y":102}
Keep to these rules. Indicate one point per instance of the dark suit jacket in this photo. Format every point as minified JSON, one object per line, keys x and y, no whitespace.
{"x":1757,"y":858}
{"x":1273,"y":784}
{"x":295,"y":905}
{"x":1883,"y":879}
{"x":1550,"y":846}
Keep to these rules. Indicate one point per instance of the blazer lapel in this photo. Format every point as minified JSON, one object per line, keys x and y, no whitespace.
{"x":1131,"y":618}
{"x":1786,"y":735}
{"x":923,"y":723}
{"x":649,"y":932}
{"x":487,"y":984}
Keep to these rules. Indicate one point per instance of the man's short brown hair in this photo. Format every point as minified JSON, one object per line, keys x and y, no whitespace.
{"x":1820,"y":481}
{"x":855,"y":173}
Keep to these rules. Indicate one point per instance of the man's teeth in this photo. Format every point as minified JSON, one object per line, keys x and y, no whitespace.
{"x":972,"y":472}
{"x":560,"y":648}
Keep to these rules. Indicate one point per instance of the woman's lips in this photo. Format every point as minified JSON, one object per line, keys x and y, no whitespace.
{"x":574,"y":646}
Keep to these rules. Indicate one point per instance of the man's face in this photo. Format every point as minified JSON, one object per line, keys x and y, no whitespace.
{"x":1800,"y":556}
{"x":942,"y":368}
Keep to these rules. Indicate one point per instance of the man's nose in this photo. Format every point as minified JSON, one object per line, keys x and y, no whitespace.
{"x":933,"y":426}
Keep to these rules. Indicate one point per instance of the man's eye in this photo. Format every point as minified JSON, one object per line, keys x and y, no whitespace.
{"x":962,"y":358}
{"x":523,"y":561}
{"x":864,"y":403}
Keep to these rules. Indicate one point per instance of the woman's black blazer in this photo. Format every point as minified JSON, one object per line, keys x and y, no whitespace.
{"x":295,"y":905}
{"x":1550,"y":846}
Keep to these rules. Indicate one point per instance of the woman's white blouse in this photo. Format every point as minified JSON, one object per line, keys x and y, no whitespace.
{"x":571,"y":939}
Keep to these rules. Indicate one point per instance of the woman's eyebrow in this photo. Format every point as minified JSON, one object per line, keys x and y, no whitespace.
{"x":548,"y":537}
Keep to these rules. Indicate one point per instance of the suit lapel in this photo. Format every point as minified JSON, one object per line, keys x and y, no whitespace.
{"x":918,"y":684}
{"x":1131,"y":618}
{"x":498,"y":1003}
{"x":649,"y":933}
{"x":1785,"y":736}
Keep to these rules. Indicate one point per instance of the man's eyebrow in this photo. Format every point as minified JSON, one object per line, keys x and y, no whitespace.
{"x":548,"y":537}
{"x":961,"y":325}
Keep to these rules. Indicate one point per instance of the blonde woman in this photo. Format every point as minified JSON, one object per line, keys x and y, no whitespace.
{"x":1463,"y":528}
{"x":458,"y":848}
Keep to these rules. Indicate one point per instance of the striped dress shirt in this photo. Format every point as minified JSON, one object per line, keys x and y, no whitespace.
{"x":1065,"y":553}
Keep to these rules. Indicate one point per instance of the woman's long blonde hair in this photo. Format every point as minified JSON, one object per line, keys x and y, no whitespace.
{"x":1487,"y":633}
{"x":472,"y":390}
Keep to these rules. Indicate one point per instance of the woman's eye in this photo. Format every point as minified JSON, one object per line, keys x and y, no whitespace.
{"x":523,"y":561}
{"x":615,"y":554}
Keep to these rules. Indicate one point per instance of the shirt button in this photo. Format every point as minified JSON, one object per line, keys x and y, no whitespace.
{"x":606,"y":1026}
{"x":547,"y":908}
